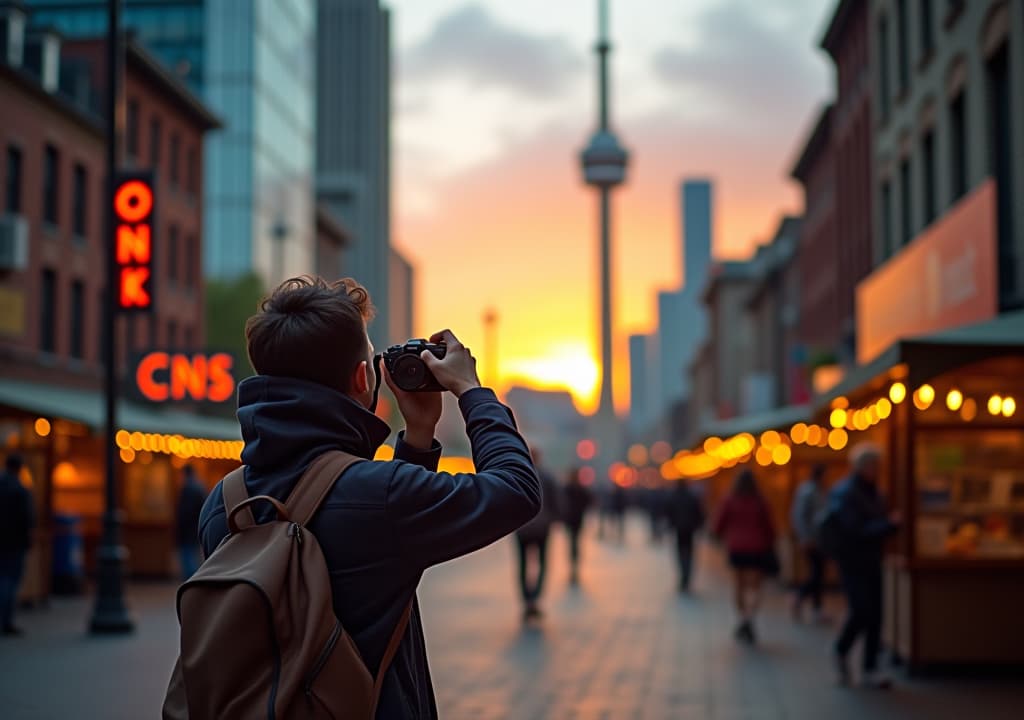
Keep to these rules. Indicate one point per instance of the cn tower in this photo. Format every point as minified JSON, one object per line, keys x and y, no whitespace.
{"x":604,"y":167}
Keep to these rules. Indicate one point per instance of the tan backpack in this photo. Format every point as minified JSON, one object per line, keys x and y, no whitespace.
{"x":259,"y":638}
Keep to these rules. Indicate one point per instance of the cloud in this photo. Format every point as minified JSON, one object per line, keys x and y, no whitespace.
{"x":749,"y":68}
{"x":471,"y":44}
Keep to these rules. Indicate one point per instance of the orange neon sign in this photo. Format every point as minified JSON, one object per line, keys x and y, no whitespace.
{"x":168,"y":377}
{"x":134,"y":203}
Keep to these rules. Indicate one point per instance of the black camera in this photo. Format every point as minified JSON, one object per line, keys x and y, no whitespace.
{"x":407,"y":368}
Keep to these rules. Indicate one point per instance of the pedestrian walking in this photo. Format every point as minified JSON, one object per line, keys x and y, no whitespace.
{"x":190,"y":504}
{"x":618,"y":502}
{"x":808,"y":505}
{"x":745,"y":525}
{"x":17,"y":519}
{"x":686,"y":513}
{"x":858,"y":513}
{"x":578,"y":499}
{"x":532,"y":542}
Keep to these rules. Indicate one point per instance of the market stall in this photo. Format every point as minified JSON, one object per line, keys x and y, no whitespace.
{"x":955,"y":472}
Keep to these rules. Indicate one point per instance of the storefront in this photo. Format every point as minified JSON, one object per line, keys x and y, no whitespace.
{"x":955,"y":472}
{"x":59,"y":432}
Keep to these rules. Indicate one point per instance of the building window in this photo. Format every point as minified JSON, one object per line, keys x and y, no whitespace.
{"x":958,"y":145}
{"x":13,"y":190}
{"x":51,"y":163}
{"x":190,"y":261}
{"x":883,"y":67}
{"x":154,"y":142}
{"x":80,"y":200}
{"x":903,"y":46}
{"x":77,"y":319}
{"x":48,"y":312}
{"x":192,"y":173}
{"x":132,"y":129}
{"x":927,"y":29}
{"x":172,"y":254}
{"x":928,"y":157}
{"x":887,"y":248}
{"x":189,"y":340}
{"x":906,"y":224}
{"x":999,"y":112}
{"x":175,"y":160}
{"x":172,"y":335}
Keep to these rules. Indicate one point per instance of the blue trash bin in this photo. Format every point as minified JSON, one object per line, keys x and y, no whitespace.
{"x":68,"y":565}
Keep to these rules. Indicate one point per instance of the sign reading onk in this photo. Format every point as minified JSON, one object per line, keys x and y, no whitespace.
{"x":134,"y":222}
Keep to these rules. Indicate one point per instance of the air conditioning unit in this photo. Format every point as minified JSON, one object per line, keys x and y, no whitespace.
{"x":13,"y":242}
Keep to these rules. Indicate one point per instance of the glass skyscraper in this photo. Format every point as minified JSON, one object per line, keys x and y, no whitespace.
{"x":253,"y":62}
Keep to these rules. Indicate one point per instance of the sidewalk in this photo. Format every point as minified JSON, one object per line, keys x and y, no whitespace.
{"x":625,"y":646}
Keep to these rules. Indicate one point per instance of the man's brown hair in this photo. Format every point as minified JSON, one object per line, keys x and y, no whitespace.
{"x":312,"y":330}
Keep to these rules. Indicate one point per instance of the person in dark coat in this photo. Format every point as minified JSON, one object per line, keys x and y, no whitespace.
{"x":383,"y":523}
{"x":532,"y":542}
{"x":686,"y":513}
{"x":808,"y":504}
{"x":578,"y":498}
{"x":745,"y":524}
{"x":619,"y":502}
{"x":190,"y":505}
{"x":17,"y":519}
{"x":864,"y":524}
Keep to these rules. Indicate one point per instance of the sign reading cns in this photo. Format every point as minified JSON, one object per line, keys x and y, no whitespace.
{"x":134,"y":222}
{"x":163,"y":377}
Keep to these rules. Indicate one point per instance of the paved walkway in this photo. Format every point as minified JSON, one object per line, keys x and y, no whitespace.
{"x":625,"y":646}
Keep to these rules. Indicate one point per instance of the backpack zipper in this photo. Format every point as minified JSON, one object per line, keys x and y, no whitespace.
{"x":296,"y":532}
{"x":322,"y":660}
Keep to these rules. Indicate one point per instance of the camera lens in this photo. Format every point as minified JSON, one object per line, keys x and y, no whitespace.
{"x":409,"y":372}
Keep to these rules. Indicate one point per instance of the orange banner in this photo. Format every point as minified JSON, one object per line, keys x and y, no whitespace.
{"x":945,"y":278}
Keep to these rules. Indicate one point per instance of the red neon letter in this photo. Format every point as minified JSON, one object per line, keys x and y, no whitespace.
{"x":133,"y":292}
{"x":188,"y":377}
{"x":133,"y":244}
{"x":148,"y":386}
{"x":133,"y":201}
{"x":222,"y":385}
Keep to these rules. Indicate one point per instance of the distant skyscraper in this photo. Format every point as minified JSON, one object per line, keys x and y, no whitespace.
{"x":696,"y":233}
{"x":643,"y":383}
{"x":682,"y":324}
{"x":252,"y":62}
{"x":353,"y":150}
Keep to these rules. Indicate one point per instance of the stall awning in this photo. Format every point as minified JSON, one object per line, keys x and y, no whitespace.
{"x":775,"y":419}
{"x":86,"y":407}
{"x":927,"y":356}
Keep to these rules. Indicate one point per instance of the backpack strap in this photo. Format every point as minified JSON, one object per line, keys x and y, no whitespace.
{"x":234,"y":492}
{"x":389,"y":653}
{"x":316,"y":483}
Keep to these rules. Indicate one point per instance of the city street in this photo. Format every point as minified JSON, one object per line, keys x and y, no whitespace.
{"x":624,"y":646}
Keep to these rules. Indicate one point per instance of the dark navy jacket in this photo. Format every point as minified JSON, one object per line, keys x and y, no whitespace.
{"x":384,"y":523}
{"x":863,"y":521}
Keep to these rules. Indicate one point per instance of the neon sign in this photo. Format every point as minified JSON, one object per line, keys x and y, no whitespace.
{"x":174,"y":377}
{"x":133,"y":242}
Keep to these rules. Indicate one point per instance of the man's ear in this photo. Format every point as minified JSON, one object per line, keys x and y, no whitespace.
{"x":360,"y":382}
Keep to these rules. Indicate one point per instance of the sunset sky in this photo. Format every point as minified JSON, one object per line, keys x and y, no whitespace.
{"x":493,"y":102}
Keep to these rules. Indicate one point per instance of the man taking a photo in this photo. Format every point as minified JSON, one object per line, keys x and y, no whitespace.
{"x":383,"y":523}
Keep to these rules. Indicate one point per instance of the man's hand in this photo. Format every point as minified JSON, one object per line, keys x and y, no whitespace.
{"x":421,"y":411}
{"x":457,"y":370}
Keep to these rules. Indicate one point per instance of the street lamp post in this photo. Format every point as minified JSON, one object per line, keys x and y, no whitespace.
{"x":110,"y":614}
{"x":491,"y":348}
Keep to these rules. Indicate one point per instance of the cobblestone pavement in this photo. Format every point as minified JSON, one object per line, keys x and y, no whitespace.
{"x":624,"y":646}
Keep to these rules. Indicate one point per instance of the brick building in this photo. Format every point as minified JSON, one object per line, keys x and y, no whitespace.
{"x":52,"y":277}
{"x":846,"y":41}
{"x":820,"y":320}
{"x":53,"y":176}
